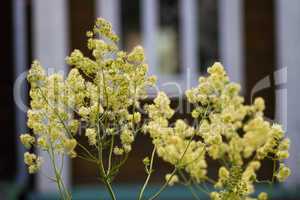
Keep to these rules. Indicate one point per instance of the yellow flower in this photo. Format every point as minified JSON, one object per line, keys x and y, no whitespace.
{"x":27,"y":140}
{"x":283,"y":173}
{"x":126,"y":136}
{"x":69,"y":145}
{"x":91,"y":134}
{"x":118,"y":151}
{"x":42,"y":143}
{"x":262,"y":196}
{"x":215,"y":196}
{"x":171,"y":179}
{"x":36,"y":75}
{"x":223,"y":173}
{"x":282,"y":155}
{"x":84,"y":112}
{"x":29,"y":158}
{"x":137,"y":54}
{"x":259,"y":104}
{"x":136,"y":117}
{"x":33,"y":162}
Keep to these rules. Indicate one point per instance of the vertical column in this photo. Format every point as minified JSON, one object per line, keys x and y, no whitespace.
{"x":231,"y":38}
{"x":188,"y":45}
{"x":20,"y":90}
{"x":110,"y":10}
{"x":149,"y":26}
{"x":280,"y":83}
{"x":288,"y":48}
{"x":50,"y":29}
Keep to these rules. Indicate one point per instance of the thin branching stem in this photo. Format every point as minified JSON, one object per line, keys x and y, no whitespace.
{"x":64,"y":125}
{"x":110,"y":154}
{"x":188,"y":184}
{"x":149,"y":172}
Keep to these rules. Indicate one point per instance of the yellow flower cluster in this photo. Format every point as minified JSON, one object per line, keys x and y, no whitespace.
{"x":283,"y":172}
{"x":174,"y":144}
{"x":101,"y":97}
{"x":33,"y":162}
{"x":117,"y":82}
{"x":27,"y":140}
{"x":102,"y":93}
{"x":50,"y":116}
{"x":235,"y":133}
{"x":226,"y":130}
{"x":91,"y":134}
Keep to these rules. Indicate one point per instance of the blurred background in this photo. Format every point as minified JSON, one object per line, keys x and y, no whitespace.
{"x":258,"y":41}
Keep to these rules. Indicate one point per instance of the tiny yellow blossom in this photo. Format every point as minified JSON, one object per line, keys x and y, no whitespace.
{"x":126,"y":137}
{"x":259,"y":104}
{"x":215,"y":196}
{"x":73,"y":126}
{"x":127,"y":148}
{"x":171,"y":179}
{"x":223,"y":173}
{"x":146,"y":161}
{"x":284,"y":144}
{"x":69,"y":145}
{"x":262,"y":196}
{"x":282,"y":155}
{"x":91,"y":134}
{"x":283,"y":173}
{"x":84,"y":112}
{"x":137,"y":54}
{"x":29,"y":158}
{"x":42,"y":143}
{"x":118,"y":151}
{"x":136,"y":117}
{"x":27,"y":140}
{"x":36,"y":75}
{"x":34,"y":163}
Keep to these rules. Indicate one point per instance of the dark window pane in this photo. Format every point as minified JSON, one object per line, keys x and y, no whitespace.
{"x":130,"y":24}
{"x":168,"y":37}
{"x":208,"y":33}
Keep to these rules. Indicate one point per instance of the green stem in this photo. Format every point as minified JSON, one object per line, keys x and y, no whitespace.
{"x":100,"y":154}
{"x":198,"y":187}
{"x":164,"y":186}
{"x":106,"y":181}
{"x":149,"y":175}
{"x":110,"y":154}
{"x":103,"y":174}
{"x":86,"y":159}
{"x":172,"y":174}
{"x":188,"y":185}
{"x":111,"y":192}
{"x":210,"y":180}
{"x":117,"y":166}
{"x":62,"y":190}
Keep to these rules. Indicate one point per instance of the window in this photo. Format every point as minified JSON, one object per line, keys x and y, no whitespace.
{"x":208,"y":33}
